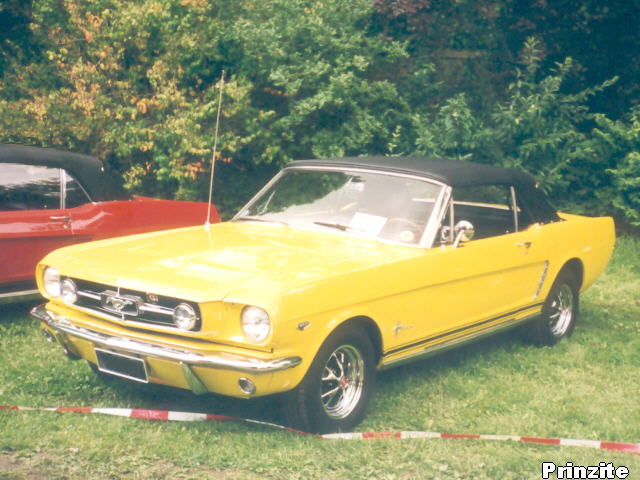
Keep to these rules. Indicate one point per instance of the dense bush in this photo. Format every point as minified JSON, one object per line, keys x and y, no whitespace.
{"x":135,"y":82}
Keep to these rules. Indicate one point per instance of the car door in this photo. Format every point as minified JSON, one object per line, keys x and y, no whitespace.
{"x":478,"y":284}
{"x":498,"y":269}
{"x":32,"y":219}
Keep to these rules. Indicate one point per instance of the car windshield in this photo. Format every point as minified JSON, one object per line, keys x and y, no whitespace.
{"x":375,"y":205}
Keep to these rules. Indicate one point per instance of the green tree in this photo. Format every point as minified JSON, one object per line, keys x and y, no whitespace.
{"x":540,"y":129}
{"x":134,"y":82}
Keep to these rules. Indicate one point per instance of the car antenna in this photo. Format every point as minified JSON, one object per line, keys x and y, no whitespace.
{"x":207,"y":223}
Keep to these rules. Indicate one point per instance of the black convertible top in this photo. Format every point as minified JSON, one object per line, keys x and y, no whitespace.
{"x":87,"y":170}
{"x":450,"y":172}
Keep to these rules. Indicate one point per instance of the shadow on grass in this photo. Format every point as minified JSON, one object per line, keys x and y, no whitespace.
{"x":160,"y":397}
{"x":16,"y":311}
{"x":460,"y":357}
{"x":273,"y":408}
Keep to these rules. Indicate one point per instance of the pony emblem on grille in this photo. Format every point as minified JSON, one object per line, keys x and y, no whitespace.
{"x":121,"y":304}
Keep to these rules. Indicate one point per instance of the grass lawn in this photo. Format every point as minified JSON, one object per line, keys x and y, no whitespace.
{"x":587,"y":387}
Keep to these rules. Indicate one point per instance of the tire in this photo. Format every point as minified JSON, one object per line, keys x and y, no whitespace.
{"x":335,"y":392}
{"x":559,"y":312}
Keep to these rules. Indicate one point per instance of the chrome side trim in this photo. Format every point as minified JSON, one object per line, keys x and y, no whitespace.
{"x":18,"y":296}
{"x":443,"y":346}
{"x":225,"y":361}
{"x":514,"y":205}
{"x":542,"y":278}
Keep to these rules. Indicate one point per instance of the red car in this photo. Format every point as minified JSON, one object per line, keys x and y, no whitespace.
{"x":50,"y":198}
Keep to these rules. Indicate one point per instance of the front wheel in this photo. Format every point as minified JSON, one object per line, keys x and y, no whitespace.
{"x":559,"y":312}
{"x":335,"y":392}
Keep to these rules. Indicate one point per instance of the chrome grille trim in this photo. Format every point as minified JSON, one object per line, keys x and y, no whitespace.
{"x":160,"y":314}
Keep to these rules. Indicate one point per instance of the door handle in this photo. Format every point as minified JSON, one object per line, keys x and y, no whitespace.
{"x":523,"y":244}
{"x":66,"y":219}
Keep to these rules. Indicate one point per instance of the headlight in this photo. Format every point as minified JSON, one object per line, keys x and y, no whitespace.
{"x":255,"y":324}
{"x":69,"y":291}
{"x":184,"y":316}
{"x":51,"y":281}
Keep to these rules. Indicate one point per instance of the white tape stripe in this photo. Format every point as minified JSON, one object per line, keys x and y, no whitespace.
{"x":343,"y":436}
{"x":570,"y":442}
{"x":186,"y":416}
{"x":410,"y":435}
{"x":119,"y":412}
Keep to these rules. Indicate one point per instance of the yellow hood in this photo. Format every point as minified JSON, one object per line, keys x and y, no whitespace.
{"x":243,"y":262}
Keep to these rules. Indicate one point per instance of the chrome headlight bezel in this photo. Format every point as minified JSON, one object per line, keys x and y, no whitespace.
{"x":51,"y":282}
{"x":69,"y":291}
{"x":185,"y":317}
{"x":255,"y":323}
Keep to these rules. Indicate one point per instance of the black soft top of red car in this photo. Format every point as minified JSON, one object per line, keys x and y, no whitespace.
{"x":87,"y":170}
{"x":450,"y":172}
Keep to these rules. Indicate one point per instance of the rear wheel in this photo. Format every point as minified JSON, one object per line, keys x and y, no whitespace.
{"x":335,"y":392}
{"x":559,"y":312}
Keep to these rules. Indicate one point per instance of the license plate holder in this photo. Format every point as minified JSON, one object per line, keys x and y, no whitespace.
{"x":120,"y":365}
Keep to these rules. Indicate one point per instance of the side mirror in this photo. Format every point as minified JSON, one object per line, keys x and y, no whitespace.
{"x":464,"y":231}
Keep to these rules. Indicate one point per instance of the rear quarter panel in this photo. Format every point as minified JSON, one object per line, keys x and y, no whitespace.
{"x":588,"y":239}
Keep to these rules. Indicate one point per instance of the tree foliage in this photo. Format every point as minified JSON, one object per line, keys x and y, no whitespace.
{"x":135,"y":82}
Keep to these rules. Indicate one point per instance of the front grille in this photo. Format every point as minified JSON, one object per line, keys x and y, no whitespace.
{"x":130,"y":305}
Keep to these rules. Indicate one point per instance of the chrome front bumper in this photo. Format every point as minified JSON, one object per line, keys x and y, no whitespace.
{"x":63,"y":328}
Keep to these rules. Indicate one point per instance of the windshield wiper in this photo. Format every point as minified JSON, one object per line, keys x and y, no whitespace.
{"x":260,"y":219}
{"x":339,"y":226}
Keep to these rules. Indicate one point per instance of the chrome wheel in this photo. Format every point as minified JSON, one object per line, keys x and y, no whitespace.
{"x":561,"y":310}
{"x":334,"y":394}
{"x":342,"y":382}
{"x":559,"y":313}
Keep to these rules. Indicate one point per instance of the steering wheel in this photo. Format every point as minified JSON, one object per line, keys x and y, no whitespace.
{"x":406,"y":230}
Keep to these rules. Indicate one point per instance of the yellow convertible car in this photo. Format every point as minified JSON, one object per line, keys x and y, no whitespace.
{"x":336,"y":269}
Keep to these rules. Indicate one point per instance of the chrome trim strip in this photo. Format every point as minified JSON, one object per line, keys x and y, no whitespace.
{"x":147,"y":307}
{"x":542,"y":278}
{"x":416,"y":343}
{"x":223,"y":361}
{"x":90,"y":295}
{"x":514,"y":205}
{"x":446,"y":345}
{"x":367,"y":170}
{"x":130,"y":318}
{"x":63,"y":189}
{"x":132,"y":323}
{"x":18,"y":296}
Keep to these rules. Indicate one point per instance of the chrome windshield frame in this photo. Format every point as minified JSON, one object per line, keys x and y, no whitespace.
{"x":433,"y":223}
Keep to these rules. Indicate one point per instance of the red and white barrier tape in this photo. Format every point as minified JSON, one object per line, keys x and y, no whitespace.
{"x":199,"y":417}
